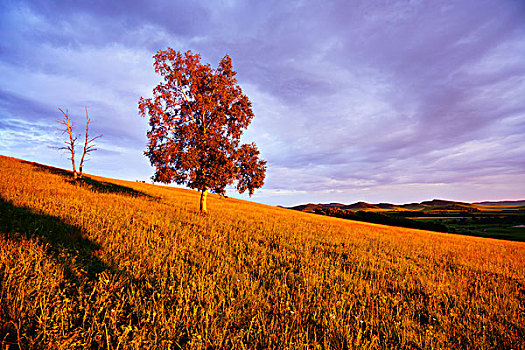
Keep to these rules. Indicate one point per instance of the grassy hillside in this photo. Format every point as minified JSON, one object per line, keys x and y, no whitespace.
{"x":120,"y":265}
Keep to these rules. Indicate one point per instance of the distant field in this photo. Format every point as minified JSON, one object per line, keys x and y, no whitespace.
{"x":105,"y":263}
{"x":502,"y":222}
{"x":482,"y":226}
{"x":505,"y":220}
{"x":437,"y":217}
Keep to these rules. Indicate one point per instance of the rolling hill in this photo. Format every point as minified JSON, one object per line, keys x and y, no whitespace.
{"x":503,"y":203}
{"x":503,"y":220}
{"x":105,"y":263}
{"x":433,"y":205}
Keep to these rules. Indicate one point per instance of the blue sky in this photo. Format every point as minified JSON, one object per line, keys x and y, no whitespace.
{"x":380,"y":101}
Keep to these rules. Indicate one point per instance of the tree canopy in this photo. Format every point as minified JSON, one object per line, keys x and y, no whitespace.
{"x":197,"y":116}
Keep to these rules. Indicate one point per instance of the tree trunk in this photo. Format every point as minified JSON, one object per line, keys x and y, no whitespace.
{"x":75,"y":174}
{"x":204,"y":195}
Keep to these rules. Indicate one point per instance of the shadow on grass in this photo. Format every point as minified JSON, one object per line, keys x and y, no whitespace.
{"x":107,"y":187}
{"x":68,"y":246}
{"x":66,"y":243}
{"x":63,"y":243}
{"x":92,"y":184}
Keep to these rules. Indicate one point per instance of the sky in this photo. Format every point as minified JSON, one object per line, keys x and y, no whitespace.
{"x":377,"y":101}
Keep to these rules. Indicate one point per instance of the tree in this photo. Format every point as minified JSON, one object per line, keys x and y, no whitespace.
{"x":89,"y":144}
{"x":197,"y":116}
{"x":70,"y":143}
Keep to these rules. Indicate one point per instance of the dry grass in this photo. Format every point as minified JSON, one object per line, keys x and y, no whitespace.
{"x":123,"y":265}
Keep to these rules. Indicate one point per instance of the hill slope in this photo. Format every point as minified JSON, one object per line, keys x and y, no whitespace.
{"x":502,"y":220}
{"x":502,"y":203}
{"x":435,"y":204}
{"x":109,"y":263}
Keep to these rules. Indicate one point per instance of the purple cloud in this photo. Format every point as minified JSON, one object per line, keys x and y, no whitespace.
{"x":397,"y":101}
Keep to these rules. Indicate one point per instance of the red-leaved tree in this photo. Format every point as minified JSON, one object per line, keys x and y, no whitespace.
{"x":197,"y":116}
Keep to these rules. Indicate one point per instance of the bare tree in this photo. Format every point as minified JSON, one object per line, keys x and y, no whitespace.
{"x":70,"y":144}
{"x":89,"y":145}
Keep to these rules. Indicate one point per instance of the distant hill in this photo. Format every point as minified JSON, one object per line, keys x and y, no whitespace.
{"x":413,"y":206}
{"x":519,"y":202}
{"x":432,"y":205}
{"x":442,"y":203}
{"x":310,"y":207}
{"x":439,"y":204}
{"x":502,"y":220}
{"x":360,"y":206}
{"x":388,"y":206}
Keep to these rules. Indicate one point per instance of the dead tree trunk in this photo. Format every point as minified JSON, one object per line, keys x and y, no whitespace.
{"x":70,"y":144}
{"x":89,"y":146}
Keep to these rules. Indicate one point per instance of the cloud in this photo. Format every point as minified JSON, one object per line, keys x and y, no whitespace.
{"x":350,"y":97}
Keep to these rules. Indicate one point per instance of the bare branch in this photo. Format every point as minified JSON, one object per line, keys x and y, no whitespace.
{"x":70,"y":144}
{"x":88,"y":143}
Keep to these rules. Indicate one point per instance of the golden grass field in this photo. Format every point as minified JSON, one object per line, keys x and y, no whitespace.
{"x":104,"y":263}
